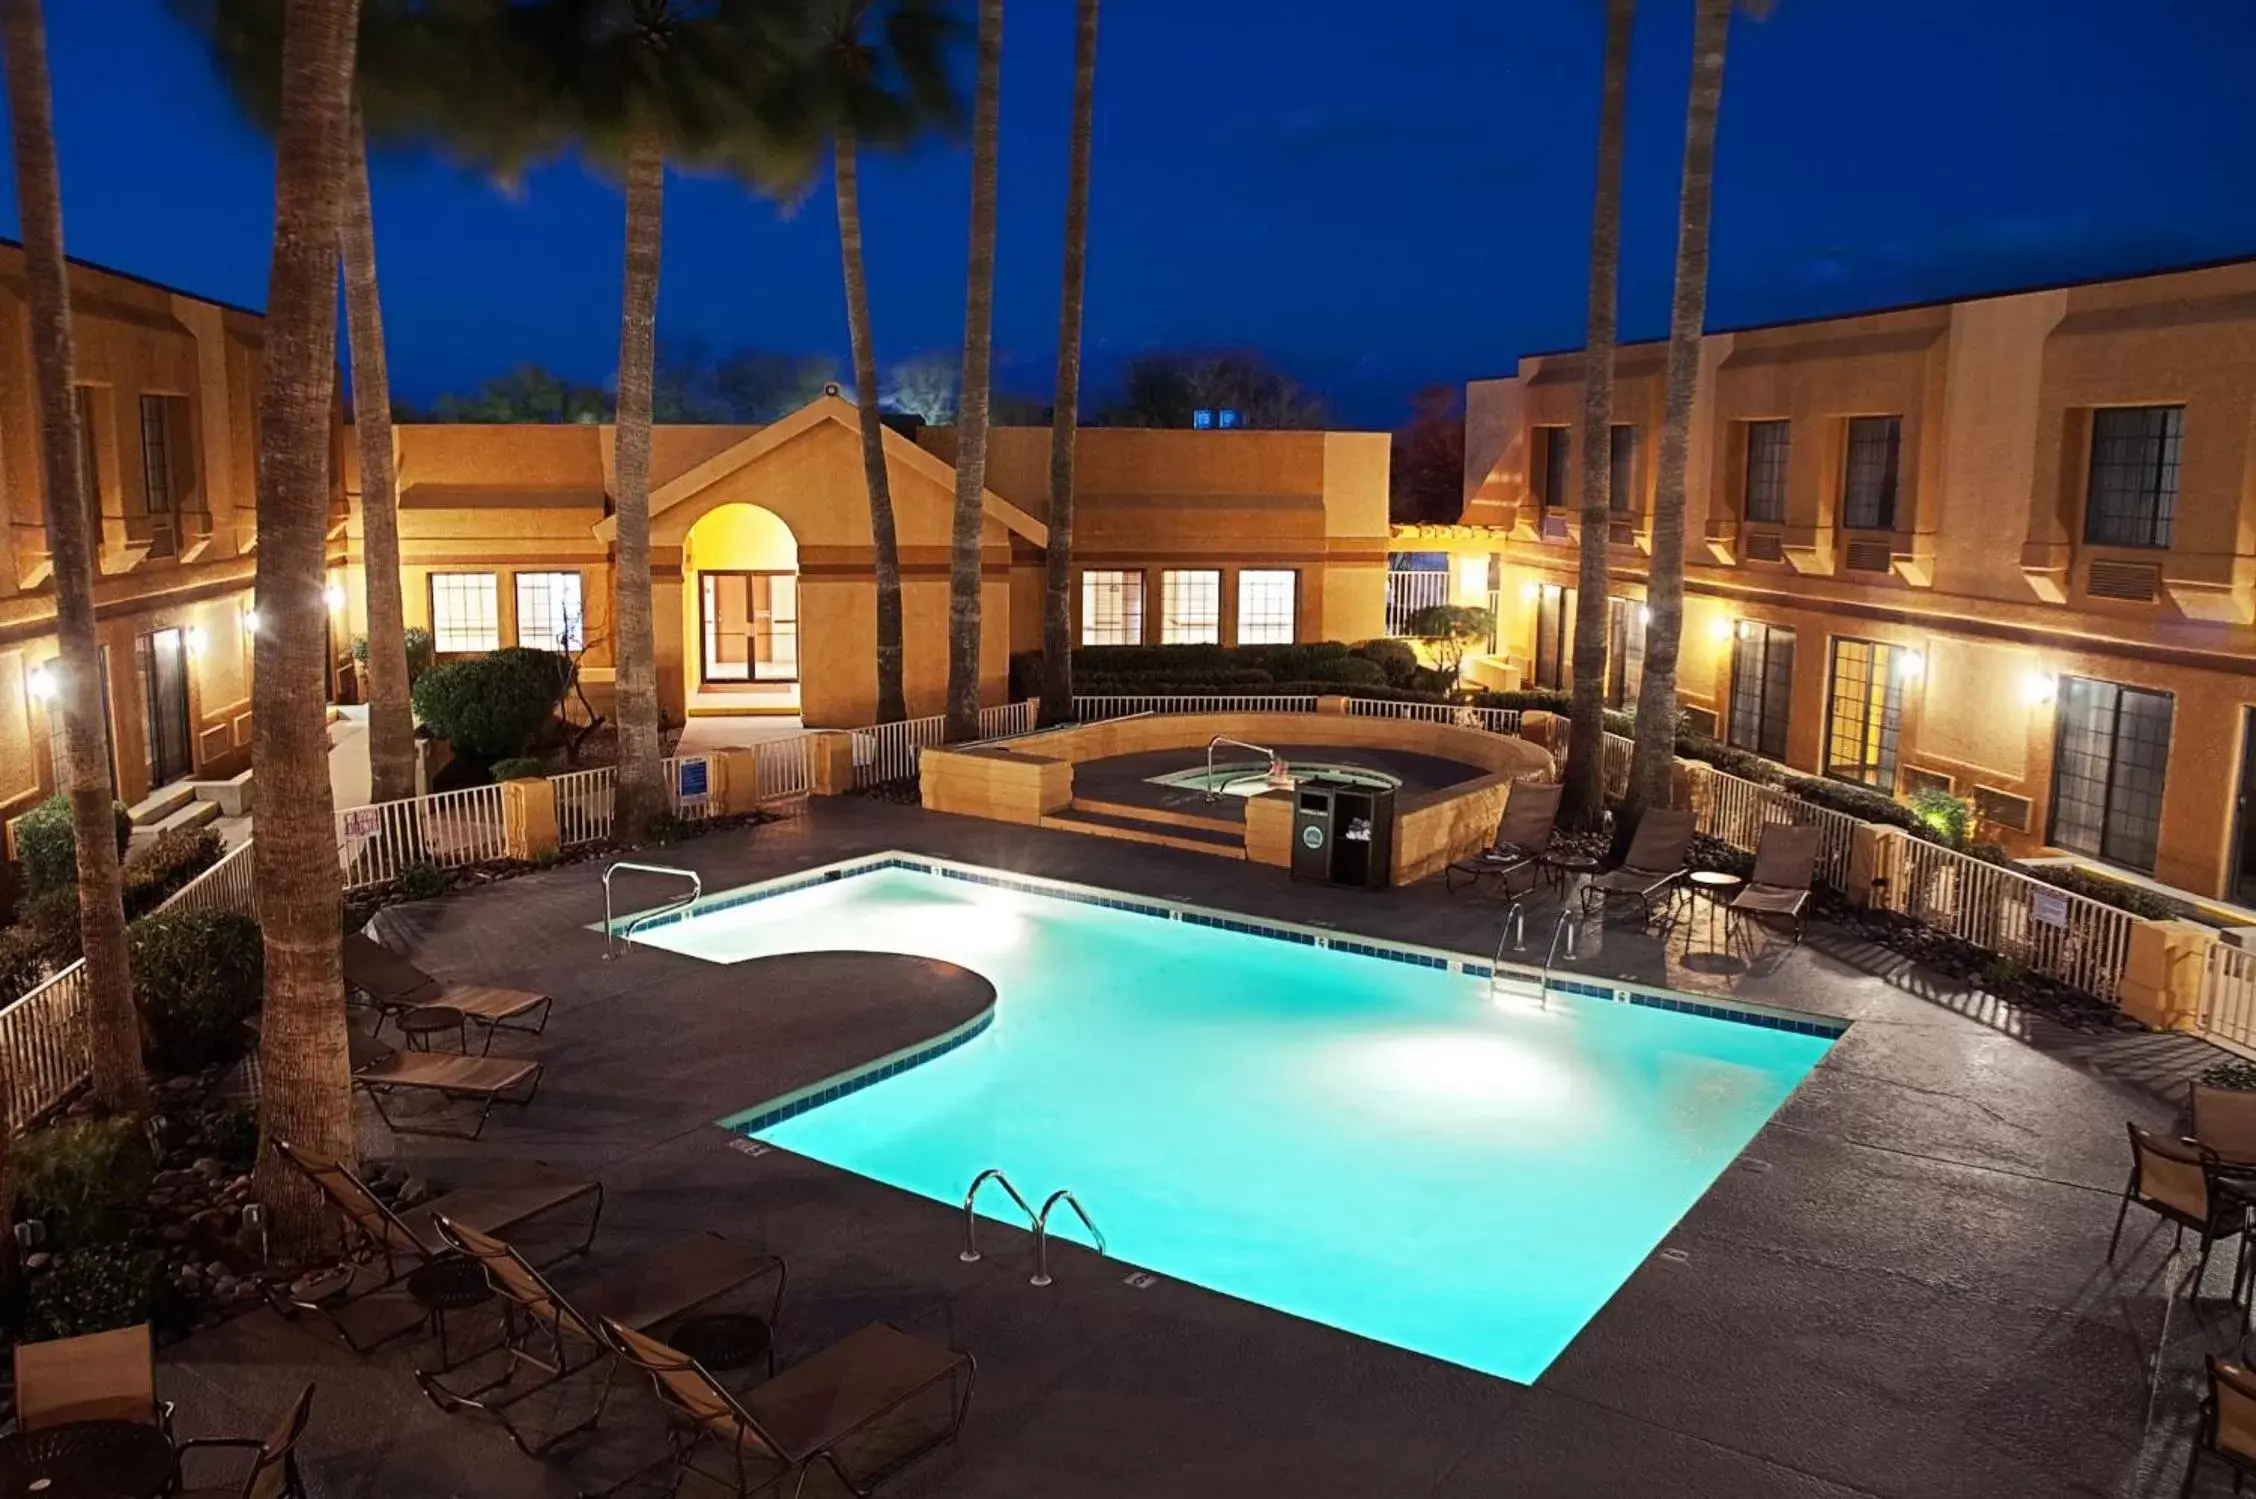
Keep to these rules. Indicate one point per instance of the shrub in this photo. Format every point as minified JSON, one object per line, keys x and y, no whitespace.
{"x":50,"y":919}
{"x":84,"y":1178}
{"x":1729,"y":760}
{"x":1528,"y":700}
{"x":491,"y":706}
{"x":1859,"y":801}
{"x":420,"y":651}
{"x":95,"y":1289}
{"x":2108,"y":891}
{"x":1950,"y":817}
{"x":47,"y":847}
{"x":233,"y":1133}
{"x":1394,"y":657}
{"x":1452,"y":630}
{"x":197,"y":976}
{"x":176,"y":856}
{"x":421,"y":881}
{"x":23,"y":963}
{"x":2235,"y":1074}
{"x":517,"y":767}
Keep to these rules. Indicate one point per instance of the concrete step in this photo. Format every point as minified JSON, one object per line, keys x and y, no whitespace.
{"x":194,"y":814}
{"x":161,"y":804}
{"x":232,"y":796}
{"x":1139,"y":830}
{"x":1232,"y":827}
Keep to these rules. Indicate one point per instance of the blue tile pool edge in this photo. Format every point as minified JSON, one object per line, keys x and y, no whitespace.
{"x":813,"y":1096}
{"x":1735,"y":1011}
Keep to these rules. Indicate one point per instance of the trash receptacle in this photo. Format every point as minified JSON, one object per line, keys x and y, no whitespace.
{"x":1312,"y":833}
{"x":1363,"y":838}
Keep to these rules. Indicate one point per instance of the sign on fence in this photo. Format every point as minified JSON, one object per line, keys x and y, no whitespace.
{"x":692,"y":779}
{"x":364,"y":822}
{"x":2049,"y":907}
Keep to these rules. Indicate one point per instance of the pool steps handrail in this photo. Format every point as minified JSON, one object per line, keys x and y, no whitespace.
{"x":970,"y":1254}
{"x":1042,"y":1232}
{"x":615,"y":942}
{"x":1514,"y":936}
{"x":1280,"y":774}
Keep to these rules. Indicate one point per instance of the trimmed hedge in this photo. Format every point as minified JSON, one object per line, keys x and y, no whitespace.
{"x":491,"y":706}
{"x":197,"y":976}
{"x":175,"y":857}
{"x":518,"y":767}
{"x":2092,"y":885}
{"x":48,"y":848}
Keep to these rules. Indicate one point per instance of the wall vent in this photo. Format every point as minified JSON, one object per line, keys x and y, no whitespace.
{"x":1621,"y":533}
{"x":1554,"y":525}
{"x":2002,"y":808}
{"x":1919,"y":778}
{"x":1868,"y":554}
{"x":1697,"y":721}
{"x":1765,"y":546}
{"x":2132,"y":582}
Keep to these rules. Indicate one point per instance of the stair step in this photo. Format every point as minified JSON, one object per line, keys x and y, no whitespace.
{"x":194,"y":815}
{"x":161,"y":804}
{"x":1138,"y":830}
{"x":1128,"y":811}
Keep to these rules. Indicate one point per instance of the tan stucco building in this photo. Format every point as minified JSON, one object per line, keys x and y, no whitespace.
{"x":2005,"y":545}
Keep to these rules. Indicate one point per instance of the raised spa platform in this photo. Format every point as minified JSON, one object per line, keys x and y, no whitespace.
{"x":1099,"y":779}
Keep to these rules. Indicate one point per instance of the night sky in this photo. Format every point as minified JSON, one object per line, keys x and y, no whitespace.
{"x":1380,"y":197}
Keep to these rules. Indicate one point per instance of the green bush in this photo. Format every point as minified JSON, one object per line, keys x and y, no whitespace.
{"x":84,"y":1178}
{"x":233,"y":1133}
{"x":517,"y":767}
{"x":50,"y":919}
{"x":170,"y":861}
{"x":2235,"y":1074}
{"x":23,"y":963}
{"x":2109,"y":891}
{"x":47,"y":847}
{"x":1950,"y":818}
{"x":419,"y":645}
{"x":1529,"y":700}
{"x":1860,"y":801}
{"x":1729,"y":760}
{"x":197,"y":976}
{"x":421,"y":881}
{"x":95,"y":1289}
{"x":1394,"y":657}
{"x":491,"y":706}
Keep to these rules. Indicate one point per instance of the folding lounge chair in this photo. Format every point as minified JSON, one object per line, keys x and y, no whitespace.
{"x":827,"y":1409}
{"x":2228,"y":1424}
{"x":1522,"y":834}
{"x":382,"y":1247}
{"x":555,"y":1336}
{"x":393,"y":986}
{"x":1785,"y":866}
{"x":1654,"y":866}
{"x":2224,"y":1121}
{"x":380,"y":1071}
{"x":99,"y":1376}
{"x":274,"y":1467}
{"x":2180,"y":1182}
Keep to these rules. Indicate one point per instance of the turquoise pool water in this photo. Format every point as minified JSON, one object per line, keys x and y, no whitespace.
{"x":1382,"y":1148}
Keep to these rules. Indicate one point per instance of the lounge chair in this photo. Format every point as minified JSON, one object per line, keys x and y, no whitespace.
{"x":382,"y":1246}
{"x":380,"y":1071}
{"x":555,"y":1335}
{"x":1654,"y":865}
{"x":838,"y":1399}
{"x":1785,"y":868}
{"x":2224,"y":1121}
{"x":274,"y":1469}
{"x":2228,"y":1424}
{"x":393,"y":986}
{"x":100,"y":1376}
{"x":1523,"y":832}
{"x":2180,"y":1182}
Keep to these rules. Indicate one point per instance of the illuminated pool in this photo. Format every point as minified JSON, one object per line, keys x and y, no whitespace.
{"x":1251,"y":778}
{"x":1381,"y":1145}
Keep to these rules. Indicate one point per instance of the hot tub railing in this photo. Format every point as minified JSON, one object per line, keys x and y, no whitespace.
{"x":1280,"y":774}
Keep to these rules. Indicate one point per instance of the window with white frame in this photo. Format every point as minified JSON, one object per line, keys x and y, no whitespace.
{"x":1190,"y":607}
{"x":550,"y":615}
{"x":1266,"y":599}
{"x":1112,"y":608}
{"x":465,"y":613}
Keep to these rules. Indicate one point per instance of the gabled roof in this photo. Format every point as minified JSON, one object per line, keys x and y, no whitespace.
{"x":824,"y":408}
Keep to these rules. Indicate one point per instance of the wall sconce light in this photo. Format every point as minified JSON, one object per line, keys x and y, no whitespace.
{"x":1528,"y":592}
{"x":41,"y":684}
{"x":193,"y":636}
{"x":334,"y":595}
{"x":1910,"y":665}
{"x":1746,"y":629}
{"x":1721,"y":629}
{"x":250,"y":621}
{"x":2037,"y":688}
{"x":1644,"y":614}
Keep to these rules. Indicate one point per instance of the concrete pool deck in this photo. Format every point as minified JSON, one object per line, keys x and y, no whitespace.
{"x":1901,"y":1289}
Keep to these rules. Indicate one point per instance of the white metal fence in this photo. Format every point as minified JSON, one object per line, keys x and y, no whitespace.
{"x":584,"y":802}
{"x":890,"y":751}
{"x":1408,"y":592}
{"x":784,"y":768}
{"x":1095,"y":709}
{"x":226,"y":886}
{"x":689,"y":786}
{"x":2228,"y":996}
{"x":1494,"y":720}
{"x":2054,"y":931}
{"x":447,"y":829}
{"x":1739,"y":809}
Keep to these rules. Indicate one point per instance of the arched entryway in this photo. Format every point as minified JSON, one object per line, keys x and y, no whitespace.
{"x":740,"y":612}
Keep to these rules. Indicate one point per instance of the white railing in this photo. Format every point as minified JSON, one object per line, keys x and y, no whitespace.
{"x":1408,"y":592}
{"x":1618,"y":754}
{"x":694,"y":804}
{"x":890,"y":751}
{"x":2079,"y":941}
{"x":1005,"y":719}
{"x":447,"y":829}
{"x":784,"y":768}
{"x":2228,"y":996}
{"x":584,"y":803}
{"x":1739,"y":809}
{"x":1093,"y":709}
{"x":1494,"y":720}
{"x":226,"y":886}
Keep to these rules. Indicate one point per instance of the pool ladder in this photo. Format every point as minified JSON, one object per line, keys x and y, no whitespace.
{"x":1040,"y":1221}
{"x":616,"y":942}
{"x":1280,"y":774}
{"x":1514,"y":937}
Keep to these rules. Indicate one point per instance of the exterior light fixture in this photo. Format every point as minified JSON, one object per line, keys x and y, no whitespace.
{"x":1746,"y":629}
{"x":41,"y":683}
{"x":334,"y":595}
{"x":193,"y":637}
{"x":1721,"y":629}
{"x":1528,"y":592}
{"x":250,"y":621}
{"x":1644,"y":614}
{"x":2037,"y":688}
{"x":1910,"y":665}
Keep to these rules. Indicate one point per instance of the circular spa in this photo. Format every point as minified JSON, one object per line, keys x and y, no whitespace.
{"x":1224,"y":783}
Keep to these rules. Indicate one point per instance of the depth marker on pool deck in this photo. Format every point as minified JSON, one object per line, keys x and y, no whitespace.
{"x":753,"y":1148}
{"x":1142,"y":1280}
{"x":1677,"y":1256}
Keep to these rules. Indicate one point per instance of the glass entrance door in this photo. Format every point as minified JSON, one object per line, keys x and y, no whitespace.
{"x":164,"y":682}
{"x":750,"y":625}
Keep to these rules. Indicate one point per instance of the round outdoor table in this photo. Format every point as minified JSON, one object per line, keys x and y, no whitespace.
{"x":86,"y":1460}
{"x":454,"y":1283}
{"x":723,"y":1340}
{"x":1564,"y":867}
{"x":419,"y":1024}
{"x":1716,"y":888}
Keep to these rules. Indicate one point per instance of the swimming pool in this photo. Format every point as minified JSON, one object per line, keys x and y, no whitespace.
{"x":1381,"y":1146}
{"x":1251,"y":778}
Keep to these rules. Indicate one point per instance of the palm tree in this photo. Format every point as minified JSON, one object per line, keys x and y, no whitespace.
{"x":641,"y":792}
{"x":1585,"y":800}
{"x":113,"y":1031}
{"x":1654,"y":763}
{"x":306,"y":1094}
{"x":851,"y":72}
{"x":1057,"y":594}
{"x":978,"y":352}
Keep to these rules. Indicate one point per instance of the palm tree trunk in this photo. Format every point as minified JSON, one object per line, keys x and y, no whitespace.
{"x":113,"y":1031}
{"x":391,"y":724}
{"x":1585,"y":800}
{"x":885,"y":540}
{"x":971,"y":418}
{"x":642,"y":793}
{"x":1057,"y":595}
{"x":1653,"y":767}
{"x":306,"y":1094}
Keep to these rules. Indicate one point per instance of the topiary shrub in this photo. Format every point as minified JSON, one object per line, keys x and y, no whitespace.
{"x":197,"y":976}
{"x":84,"y":1178}
{"x":421,"y":650}
{"x":1394,"y":657}
{"x":173,"y":858}
{"x":95,"y":1289}
{"x":421,"y":881}
{"x":491,"y":706}
{"x":48,"y":849}
{"x":1950,"y":818}
{"x":517,"y":767}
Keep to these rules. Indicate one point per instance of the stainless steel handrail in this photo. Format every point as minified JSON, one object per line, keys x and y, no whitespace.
{"x":1042,"y":1232}
{"x":1279,"y":772}
{"x":1514,"y":935}
{"x":612,"y":941}
{"x":970,"y":1254}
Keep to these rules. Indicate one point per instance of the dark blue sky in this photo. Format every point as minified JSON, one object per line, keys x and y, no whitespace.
{"x":1379,"y":196}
